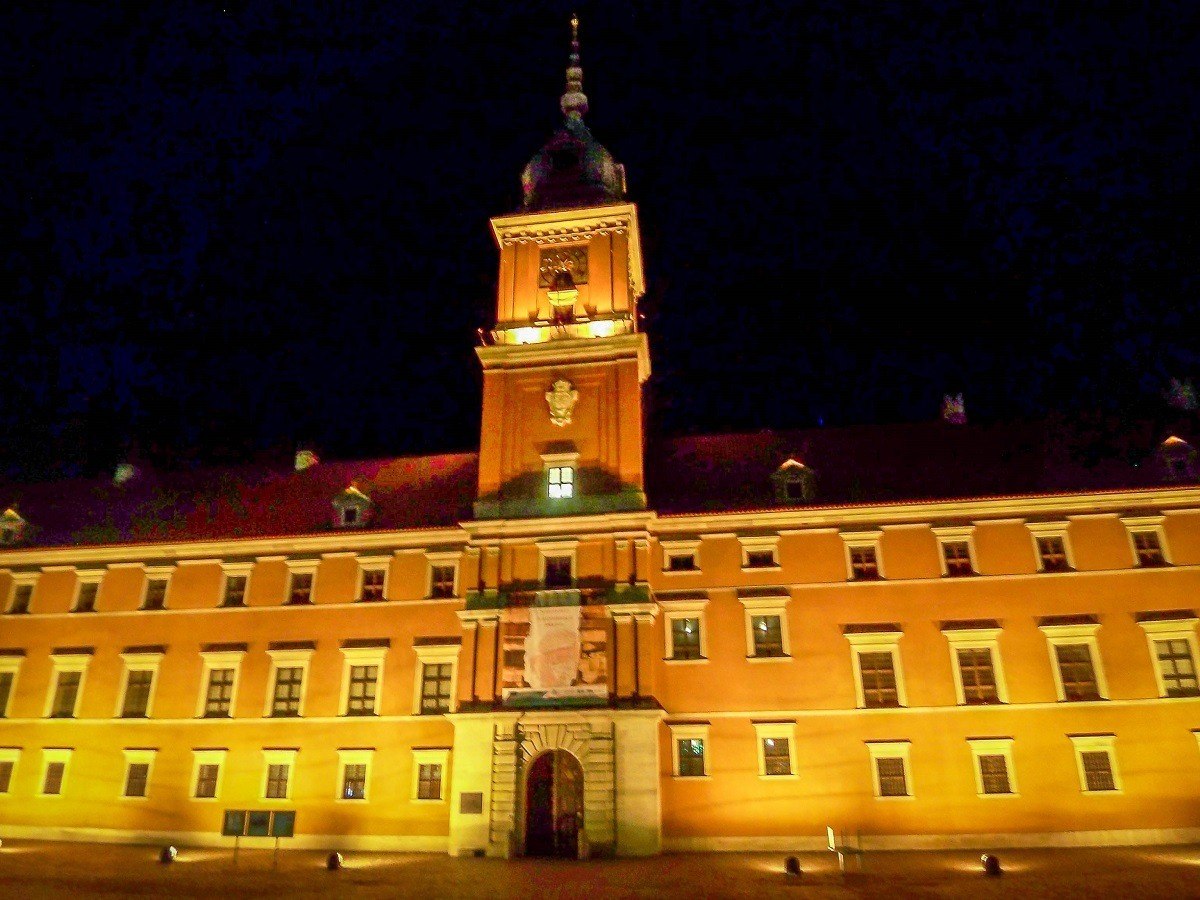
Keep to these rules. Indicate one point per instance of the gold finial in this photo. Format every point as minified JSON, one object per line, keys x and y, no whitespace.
{"x":574,"y":27}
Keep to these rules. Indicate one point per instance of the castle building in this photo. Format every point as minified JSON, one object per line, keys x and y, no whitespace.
{"x":578,"y":642}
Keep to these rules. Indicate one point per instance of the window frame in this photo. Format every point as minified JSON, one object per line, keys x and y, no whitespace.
{"x":558,"y":549}
{"x":54,"y":755}
{"x":675,"y":610}
{"x":976,"y":639}
{"x":287,"y":659}
{"x":1038,"y":530}
{"x":891,"y":750}
{"x":234,"y":570}
{"x":956,"y":534}
{"x":138,"y":661}
{"x":296,"y":567}
{"x":12,"y":756}
{"x":353,"y":657}
{"x":773,"y":605}
{"x":680,"y":548}
{"x":448,"y":558}
{"x":430,"y":756}
{"x":214,"y":660}
{"x":20,"y":580}
{"x":1066,"y":635}
{"x":857,"y":540}
{"x":876,"y":642}
{"x":1151,"y":524}
{"x":156,"y":573}
{"x":372,"y":564}
{"x":435,"y":654}
{"x":1180,"y":629}
{"x":10,"y":664}
{"x":690,"y":731}
{"x":569,"y":460}
{"x":87,"y":577}
{"x":207,"y":756}
{"x":764,"y":731}
{"x":759,"y":543}
{"x":276,"y":756}
{"x":62,"y":663}
{"x":354,"y":756}
{"x":999,"y":746}
{"x":1097,"y":743}
{"x":135,"y":756}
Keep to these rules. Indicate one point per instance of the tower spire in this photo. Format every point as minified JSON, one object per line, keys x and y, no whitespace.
{"x":574,"y":102}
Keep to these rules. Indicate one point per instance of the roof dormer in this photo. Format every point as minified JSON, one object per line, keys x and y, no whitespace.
{"x":1178,"y":460}
{"x":794,"y":483}
{"x":13,"y":528}
{"x":352,"y":508}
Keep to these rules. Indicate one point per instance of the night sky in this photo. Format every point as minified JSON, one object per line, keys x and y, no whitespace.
{"x":229,"y":228}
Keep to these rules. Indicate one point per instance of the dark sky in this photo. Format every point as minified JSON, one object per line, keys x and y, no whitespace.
{"x":226,"y":228}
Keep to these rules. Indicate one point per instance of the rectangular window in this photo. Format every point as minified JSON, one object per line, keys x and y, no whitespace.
{"x":52,"y":783}
{"x":6,"y":683}
{"x":156,"y":594}
{"x":435,"y":687}
{"x":354,"y":781}
{"x":878,"y":672}
{"x":235,"y":590}
{"x":1175,"y":664}
{"x":85,"y":601}
{"x":1077,"y":672}
{"x":206,"y":780}
{"x":361,"y":698}
{"x":558,"y":572}
{"x":137,"y":694}
{"x":957,"y":555}
{"x":777,"y":757}
{"x":978,"y":675}
{"x":22,"y":595}
{"x":289,"y":686}
{"x":993,"y":773}
{"x":277,"y":781}
{"x":561,"y":482}
{"x":218,"y":699}
{"x":1148,"y":549}
{"x":441,"y":580}
{"x":6,"y":771}
{"x":300,"y":589}
{"x":136,"y":776}
{"x":760,"y":559}
{"x":1097,"y":770}
{"x":429,"y":781}
{"x":1052,"y":549}
{"x":66,"y":692}
{"x":372,"y":585}
{"x":691,"y":757}
{"x":768,"y":635}
{"x":864,"y":564}
{"x":685,"y":639}
{"x":681,"y":562}
{"x":893,"y":780}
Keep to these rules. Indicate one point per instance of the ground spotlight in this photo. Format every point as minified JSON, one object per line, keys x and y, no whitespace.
{"x":791,"y":865}
{"x":167,"y":855}
{"x":333,"y":861}
{"x":991,"y":865}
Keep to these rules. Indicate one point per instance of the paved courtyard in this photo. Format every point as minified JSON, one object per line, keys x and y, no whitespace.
{"x":33,"y":870}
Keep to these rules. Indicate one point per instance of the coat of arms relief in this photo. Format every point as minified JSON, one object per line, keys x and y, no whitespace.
{"x":561,"y":397}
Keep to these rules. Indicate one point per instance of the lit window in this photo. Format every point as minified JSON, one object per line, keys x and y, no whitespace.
{"x":863,"y":564}
{"x":766,"y":625}
{"x":684,"y":631}
{"x":691,"y":757}
{"x":957,"y":556}
{"x":289,"y":688}
{"x":776,"y":749}
{"x":363,"y":682}
{"x":1052,"y":552}
{"x":442,"y":580}
{"x":1148,"y":540}
{"x":690,"y":740}
{"x":891,"y":773}
{"x":354,"y":781}
{"x":561,"y":481}
{"x":429,"y":774}
{"x":685,"y":638}
{"x":218,"y":698}
{"x":277,"y":781}
{"x":436,"y":687}
{"x":429,"y":781}
{"x":993,"y":767}
{"x":768,"y":635}
{"x":372,"y":585}
{"x":1095,"y":759}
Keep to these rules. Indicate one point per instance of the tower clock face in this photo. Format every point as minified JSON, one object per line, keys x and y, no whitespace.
{"x":572,"y":259}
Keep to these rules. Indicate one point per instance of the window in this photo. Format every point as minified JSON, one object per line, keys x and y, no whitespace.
{"x":70,"y":667}
{"x":993,"y":767}
{"x":561,"y":482}
{"x":685,"y":638}
{"x":776,"y":749}
{"x":206,"y":773}
{"x":236,"y":583}
{"x":8,"y":765}
{"x":442,"y":579}
{"x":361,"y":675}
{"x":137,"y":694}
{"x":558,"y":572}
{"x":9,"y":666}
{"x":85,"y":597}
{"x":689,"y":741}
{"x":66,"y":694}
{"x":1075,"y":658}
{"x":289,"y":688}
{"x":361,"y":701}
{"x":890,"y":765}
{"x":277,"y":774}
{"x":372,"y":578}
{"x":975,"y":657}
{"x":354,"y":782}
{"x":977,"y":675}
{"x":429,"y":768}
{"x":759,"y":551}
{"x":22,"y":594}
{"x":156,"y":594}
{"x":137,"y":774}
{"x":680,"y":556}
{"x":1172,"y":639}
{"x":766,"y":626}
{"x":54,"y":771}
{"x":1052,"y":546}
{"x":876,"y":659}
{"x":862,"y":555}
{"x":218,"y":691}
{"x":218,"y":698}
{"x":437,"y":668}
{"x":300,"y":588}
{"x":1147,"y":540}
{"x":1095,"y":759}
{"x":684,"y":631}
{"x":956,"y":546}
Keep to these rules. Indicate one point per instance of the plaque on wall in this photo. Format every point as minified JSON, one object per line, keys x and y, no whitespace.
{"x":555,"y":259}
{"x":470,"y":803}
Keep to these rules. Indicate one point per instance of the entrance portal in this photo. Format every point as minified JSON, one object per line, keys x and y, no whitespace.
{"x":553,"y":805}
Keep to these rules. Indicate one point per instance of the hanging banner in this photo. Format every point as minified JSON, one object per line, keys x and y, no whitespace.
{"x":561,"y":654}
{"x":552,"y":648}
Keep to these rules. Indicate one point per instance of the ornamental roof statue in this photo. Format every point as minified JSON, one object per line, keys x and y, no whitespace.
{"x":572,"y":169}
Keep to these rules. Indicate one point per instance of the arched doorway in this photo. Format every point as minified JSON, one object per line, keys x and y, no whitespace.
{"x":553,"y":805}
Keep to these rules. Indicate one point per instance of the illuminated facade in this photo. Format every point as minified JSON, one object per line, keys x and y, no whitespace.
{"x":572,"y":642}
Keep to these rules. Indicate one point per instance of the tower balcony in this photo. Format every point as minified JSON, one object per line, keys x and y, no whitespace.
{"x":541,"y":331}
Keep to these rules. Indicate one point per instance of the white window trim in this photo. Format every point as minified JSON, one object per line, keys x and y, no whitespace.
{"x":766,"y":606}
{"x":164,"y":573}
{"x":425,"y":756}
{"x":547,"y":549}
{"x":221,"y":659}
{"x":10,"y":755}
{"x":361,"y":656}
{"x":301,"y":567}
{"x":208,"y":757}
{"x":1091,"y":743}
{"x":86,"y":576}
{"x":891,"y":750}
{"x":68,"y":662}
{"x":21,"y":579}
{"x":775,"y":730}
{"x":976,"y":639}
{"x":139,"y":662}
{"x":1136,"y":524}
{"x":689,"y":731}
{"x":757,"y":544}
{"x":358,"y":756}
{"x":277,"y":757}
{"x":287,"y":659}
{"x":235,"y":570}
{"x":53,"y":755}
{"x":673,"y":610}
{"x":11,"y":664}
{"x":1058,"y":635}
{"x":1051,"y":529}
{"x":993,"y":747}
{"x":373,"y":564}
{"x":447,"y":558}
{"x":1182,"y":629}
{"x":950,"y":534}
{"x":877,"y":642}
{"x":855,"y":539}
{"x":138,"y":755}
{"x":436,"y":654}
{"x":558,"y":460}
{"x":680,"y":548}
